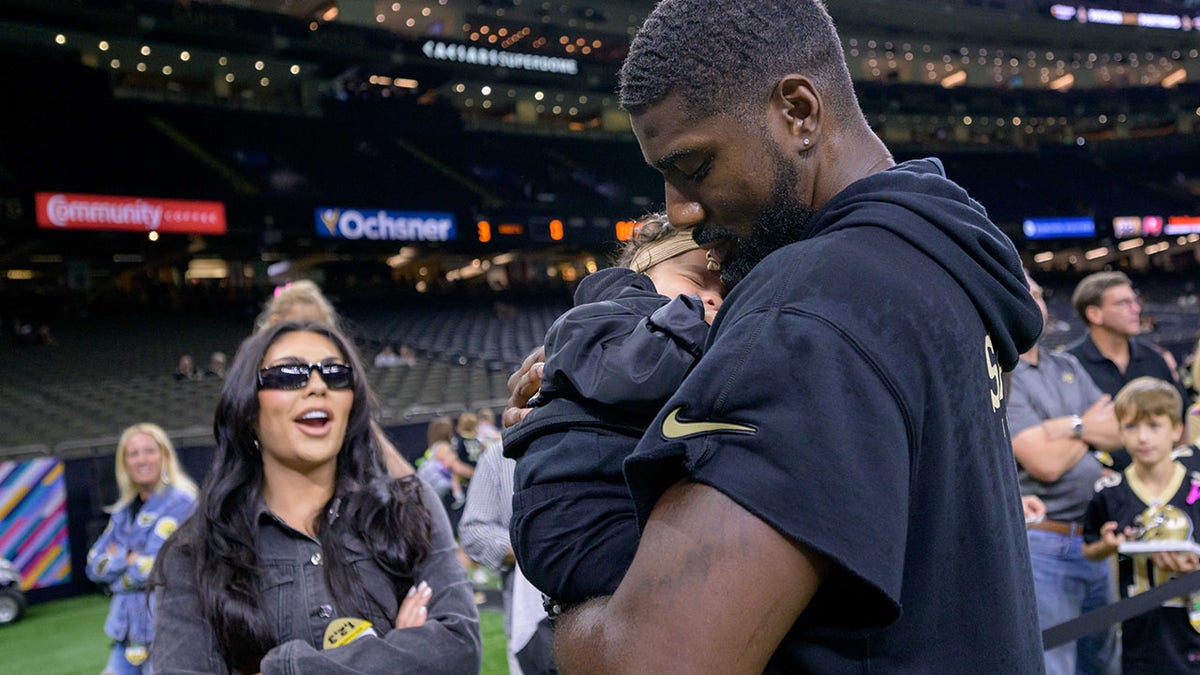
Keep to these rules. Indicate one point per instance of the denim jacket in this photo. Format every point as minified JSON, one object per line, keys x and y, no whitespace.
{"x":143,"y":534}
{"x":300,"y":606}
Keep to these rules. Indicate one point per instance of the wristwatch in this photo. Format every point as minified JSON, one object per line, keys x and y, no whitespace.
{"x":1077,"y":426}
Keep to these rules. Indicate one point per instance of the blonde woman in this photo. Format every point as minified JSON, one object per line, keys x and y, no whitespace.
{"x":156,"y":495}
{"x":303,"y":301}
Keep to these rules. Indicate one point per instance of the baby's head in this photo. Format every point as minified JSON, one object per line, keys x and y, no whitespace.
{"x":674,"y":262}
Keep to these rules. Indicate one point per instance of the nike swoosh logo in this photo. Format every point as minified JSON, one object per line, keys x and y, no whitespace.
{"x":673,"y":428}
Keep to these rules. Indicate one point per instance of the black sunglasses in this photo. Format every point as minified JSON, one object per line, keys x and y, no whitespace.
{"x":295,"y":375}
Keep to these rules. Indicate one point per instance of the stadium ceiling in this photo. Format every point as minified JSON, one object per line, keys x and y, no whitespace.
{"x":1024,"y":22}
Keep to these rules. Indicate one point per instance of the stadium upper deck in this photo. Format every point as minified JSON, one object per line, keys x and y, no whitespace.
{"x":284,"y":112}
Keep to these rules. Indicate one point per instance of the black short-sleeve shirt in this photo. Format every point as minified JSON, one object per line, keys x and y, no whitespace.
{"x":864,"y":419}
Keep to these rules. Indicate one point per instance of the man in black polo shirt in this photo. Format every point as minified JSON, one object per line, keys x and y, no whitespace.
{"x":1110,"y":351}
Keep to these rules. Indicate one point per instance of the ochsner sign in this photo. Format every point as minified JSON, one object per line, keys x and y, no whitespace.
{"x":68,"y":211}
{"x":337,"y":223}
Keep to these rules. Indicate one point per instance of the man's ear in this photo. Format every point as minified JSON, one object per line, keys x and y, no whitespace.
{"x":1093,"y":314}
{"x":797,"y":100}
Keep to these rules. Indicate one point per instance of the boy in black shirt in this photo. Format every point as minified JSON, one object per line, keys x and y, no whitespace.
{"x":1154,"y":499}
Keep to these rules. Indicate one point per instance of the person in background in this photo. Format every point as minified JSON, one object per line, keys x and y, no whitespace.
{"x":1063,"y":429}
{"x":484,"y":531}
{"x":155,"y":496}
{"x":1153,"y":499}
{"x":303,"y":301}
{"x":1111,"y":351}
{"x":297,"y":301}
{"x":460,"y":458}
{"x":487,"y":430}
{"x":387,"y":357}
{"x":432,"y":469}
{"x":304,"y":555}
{"x":216,"y":366}
{"x":408,"y":357}
{"x":186,"y":369}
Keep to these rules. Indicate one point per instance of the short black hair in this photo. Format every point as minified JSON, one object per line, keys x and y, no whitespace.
{"x":727,"y":55}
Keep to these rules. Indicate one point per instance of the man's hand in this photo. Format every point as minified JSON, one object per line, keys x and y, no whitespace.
{"x":413,"y":610}
{"x":1100,"y":429}
{"x":1034,"y":508}
{"x":522,"y":385}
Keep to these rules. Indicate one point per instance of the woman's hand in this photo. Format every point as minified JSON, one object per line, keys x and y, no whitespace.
{"x":413,"y":609}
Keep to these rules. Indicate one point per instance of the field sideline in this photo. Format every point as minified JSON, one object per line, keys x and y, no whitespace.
{"x":66,"y":637}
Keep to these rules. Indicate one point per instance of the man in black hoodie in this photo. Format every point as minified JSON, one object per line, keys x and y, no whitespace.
{"x":832,"y":489}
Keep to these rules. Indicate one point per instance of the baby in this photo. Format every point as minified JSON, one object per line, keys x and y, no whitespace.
{"x":611,"y":363}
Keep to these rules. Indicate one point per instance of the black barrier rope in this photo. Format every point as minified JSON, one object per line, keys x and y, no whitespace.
{"x":1100,"y":619}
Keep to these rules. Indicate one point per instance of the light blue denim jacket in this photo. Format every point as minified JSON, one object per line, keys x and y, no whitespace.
{"x":129,"y":614}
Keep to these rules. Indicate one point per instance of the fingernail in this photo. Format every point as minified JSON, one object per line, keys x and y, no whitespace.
{"x":422,"y":586}
{"x":411,"y":590}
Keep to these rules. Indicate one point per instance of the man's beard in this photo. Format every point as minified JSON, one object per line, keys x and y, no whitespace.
{"x":781,"y":222}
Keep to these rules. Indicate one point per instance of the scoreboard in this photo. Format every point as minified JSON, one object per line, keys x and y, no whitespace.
{"x":551,"y":230}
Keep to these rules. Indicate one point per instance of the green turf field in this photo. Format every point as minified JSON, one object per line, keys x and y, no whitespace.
{"x":66,"y":637}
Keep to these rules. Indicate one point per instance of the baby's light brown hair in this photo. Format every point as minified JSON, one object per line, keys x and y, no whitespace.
{"x":1147,"y":397}
{"x":654,"y":240}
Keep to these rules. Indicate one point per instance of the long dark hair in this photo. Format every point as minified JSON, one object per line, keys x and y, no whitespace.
{"x":221,"y":539}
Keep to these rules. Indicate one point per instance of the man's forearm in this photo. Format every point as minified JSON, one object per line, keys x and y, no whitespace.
{"x":1045,"y":453}
{"x":581,"y":643}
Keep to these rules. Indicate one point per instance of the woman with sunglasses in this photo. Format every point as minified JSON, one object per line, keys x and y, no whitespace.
{"x":303,"y":301}
{"x":155,"y":495}
{"x":303,"y":555}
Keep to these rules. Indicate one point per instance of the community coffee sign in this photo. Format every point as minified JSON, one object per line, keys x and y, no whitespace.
{"x":380,"y":225}
{"x":69,"y":211}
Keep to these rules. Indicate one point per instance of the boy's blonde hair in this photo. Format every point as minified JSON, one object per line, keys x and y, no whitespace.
{"x":1147,"y":397}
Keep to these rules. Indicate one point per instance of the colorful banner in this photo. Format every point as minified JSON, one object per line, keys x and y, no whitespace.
{"x":380,"y":225}
{"x":33,"y":521}
{"x":68,"y":211}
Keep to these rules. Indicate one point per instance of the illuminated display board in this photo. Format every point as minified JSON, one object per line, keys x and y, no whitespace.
{"x":1183,"y":225}
{"x":70,"y":211}
{"x":1053,"y":228}
{"x":381,"y":225}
